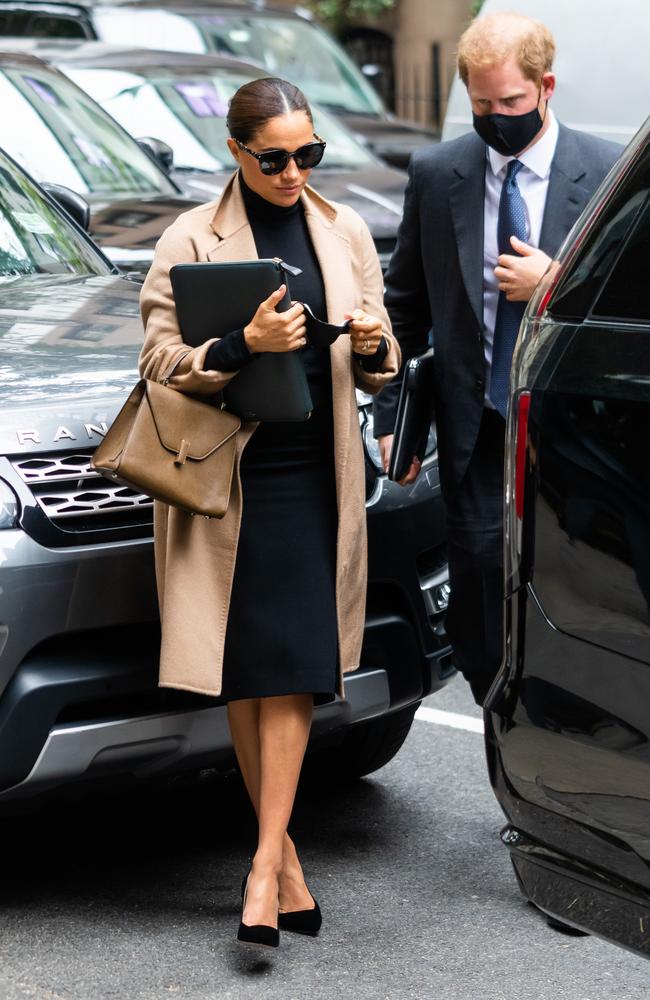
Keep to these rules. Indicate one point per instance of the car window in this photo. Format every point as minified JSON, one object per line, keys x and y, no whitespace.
{"x":35,"y":238}
{"x":188,"y":112}
{"x":47,"y":26}
{"x":599,"y":251}
{"x":287,"y":47}
{"x":14,"y":22}
{"x":626,"y":294}
{"x":59,"y":134}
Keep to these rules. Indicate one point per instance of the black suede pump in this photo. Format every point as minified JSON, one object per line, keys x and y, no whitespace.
{"x":260,"y":935}
{"x":307,"y":922}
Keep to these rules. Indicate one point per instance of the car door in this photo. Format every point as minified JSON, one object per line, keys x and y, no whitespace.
{"x":570,"y":740}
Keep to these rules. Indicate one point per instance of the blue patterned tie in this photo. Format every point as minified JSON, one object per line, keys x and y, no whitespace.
{"x":511,"y":222}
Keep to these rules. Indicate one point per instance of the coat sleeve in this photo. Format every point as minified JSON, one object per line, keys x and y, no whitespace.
{"x":373,"y":304}
{"x":163,"y":344}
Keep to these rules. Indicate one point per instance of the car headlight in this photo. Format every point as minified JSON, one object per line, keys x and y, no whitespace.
{"x":9,"y":506}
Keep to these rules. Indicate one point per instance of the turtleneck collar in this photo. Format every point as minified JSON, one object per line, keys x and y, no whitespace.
{"x":258,"y":207}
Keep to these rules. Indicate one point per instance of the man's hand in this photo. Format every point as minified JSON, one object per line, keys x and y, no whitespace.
{"x":518,"y":276}
{"x":385,"y":442}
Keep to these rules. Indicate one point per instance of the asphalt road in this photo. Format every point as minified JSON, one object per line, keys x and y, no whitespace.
{"x":136,"y":897}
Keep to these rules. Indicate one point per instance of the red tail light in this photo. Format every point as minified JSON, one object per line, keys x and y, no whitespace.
{"x":523,"y":409}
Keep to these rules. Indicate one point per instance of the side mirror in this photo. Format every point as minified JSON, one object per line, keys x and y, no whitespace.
{"x":159,"y":150}
{"x":71,"y":202}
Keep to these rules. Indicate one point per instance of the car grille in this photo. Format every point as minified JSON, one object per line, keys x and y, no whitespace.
{"x":76,"y":499}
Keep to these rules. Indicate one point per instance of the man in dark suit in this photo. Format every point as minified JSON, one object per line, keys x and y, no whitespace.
{"x":483,"y":216}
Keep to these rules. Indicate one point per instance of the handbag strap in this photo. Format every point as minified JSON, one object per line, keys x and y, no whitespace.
{"x":170,"y":371}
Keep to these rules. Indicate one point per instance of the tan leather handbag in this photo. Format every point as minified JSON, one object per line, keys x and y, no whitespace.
{"x":173,"y":447}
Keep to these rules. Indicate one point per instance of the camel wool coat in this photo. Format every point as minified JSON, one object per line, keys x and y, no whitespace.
{"x":195,"y":557}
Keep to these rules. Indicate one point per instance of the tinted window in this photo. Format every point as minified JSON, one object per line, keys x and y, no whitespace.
{"x":578,"y":289}
{"x":56,"y":27}
{"x":626,"y":294}
{"x":14,"y":22}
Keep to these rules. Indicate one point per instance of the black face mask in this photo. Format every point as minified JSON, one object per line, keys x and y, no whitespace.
{"x":509,"y":134}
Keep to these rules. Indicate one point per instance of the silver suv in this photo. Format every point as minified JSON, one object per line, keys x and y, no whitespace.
{"x":78,"y":616}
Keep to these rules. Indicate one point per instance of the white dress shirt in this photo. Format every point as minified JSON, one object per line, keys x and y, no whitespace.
{"x":533,"y":184}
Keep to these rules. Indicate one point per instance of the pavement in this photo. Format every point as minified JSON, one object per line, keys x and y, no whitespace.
{"x":136,"y":896}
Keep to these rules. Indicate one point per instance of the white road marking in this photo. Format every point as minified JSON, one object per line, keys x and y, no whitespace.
{"x":453,"y":719}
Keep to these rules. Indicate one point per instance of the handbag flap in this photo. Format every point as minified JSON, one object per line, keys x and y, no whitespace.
{"x":186,"y":424}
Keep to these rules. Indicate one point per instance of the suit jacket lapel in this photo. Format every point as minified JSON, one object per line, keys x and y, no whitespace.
{"x":467,"y":203}
{"x":566,"y":196}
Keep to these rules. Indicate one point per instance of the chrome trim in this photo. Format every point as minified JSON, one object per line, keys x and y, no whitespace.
{"x":76,"y":488}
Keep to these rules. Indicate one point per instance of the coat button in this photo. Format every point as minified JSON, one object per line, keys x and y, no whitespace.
{"x":479,"y":383}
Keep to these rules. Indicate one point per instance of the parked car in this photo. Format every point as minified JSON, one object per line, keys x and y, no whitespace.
{"x":595,"y":42}
{"x":567,"y":722}
{"x":282,"y":41}
{"x":182,"y":99}
{"x":60,"y":135}
{"x":79,"y":633}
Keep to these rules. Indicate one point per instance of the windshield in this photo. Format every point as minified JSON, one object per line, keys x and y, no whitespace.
{"x":60,"y":135}
{"x":34,"y":236}
{"x":285,"y":46}
{"x":188,"y":111}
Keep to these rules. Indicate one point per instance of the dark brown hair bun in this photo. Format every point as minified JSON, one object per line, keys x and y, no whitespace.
{"x":255,"y":103}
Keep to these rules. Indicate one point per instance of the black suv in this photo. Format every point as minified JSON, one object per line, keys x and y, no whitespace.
{"x":79,"y":633}
{"x":568,"y":731}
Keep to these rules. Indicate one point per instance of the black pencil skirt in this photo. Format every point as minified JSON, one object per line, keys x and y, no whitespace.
{"x":282,"y":635}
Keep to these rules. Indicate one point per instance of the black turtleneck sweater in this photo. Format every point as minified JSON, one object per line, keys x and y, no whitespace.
{"x":282,"y":232}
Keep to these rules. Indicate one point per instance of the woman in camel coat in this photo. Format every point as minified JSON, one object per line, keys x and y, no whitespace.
{"x":265,"y":607}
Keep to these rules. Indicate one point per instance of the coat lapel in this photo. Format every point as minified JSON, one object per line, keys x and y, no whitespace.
{"x":467,"y":200}
{"x":566,"y":196}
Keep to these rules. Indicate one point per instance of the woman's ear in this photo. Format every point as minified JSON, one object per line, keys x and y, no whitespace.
{"x":234,"y":148}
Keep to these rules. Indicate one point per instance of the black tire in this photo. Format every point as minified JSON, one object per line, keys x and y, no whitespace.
{"x":366,"y":747}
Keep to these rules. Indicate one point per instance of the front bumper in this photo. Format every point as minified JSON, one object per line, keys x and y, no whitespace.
{"x":79,"y":645}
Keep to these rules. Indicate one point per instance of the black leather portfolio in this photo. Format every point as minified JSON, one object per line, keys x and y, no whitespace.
{"x":415,"y":412}
{"x":212,"y":299}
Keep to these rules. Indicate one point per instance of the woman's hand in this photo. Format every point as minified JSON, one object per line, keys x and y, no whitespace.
{"x":365,"y":332}
{"x":276,"y":331}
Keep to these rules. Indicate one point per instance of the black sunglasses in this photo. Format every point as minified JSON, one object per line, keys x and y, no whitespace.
{"x":274,"y":161}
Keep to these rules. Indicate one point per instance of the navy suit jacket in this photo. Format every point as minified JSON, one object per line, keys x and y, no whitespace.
{"x":435,"y":277}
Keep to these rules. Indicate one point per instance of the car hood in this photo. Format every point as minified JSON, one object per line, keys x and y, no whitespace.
{"x":375,"y":192}
{"x":392,"y":139}
{"x":127,"y":229}
{"x":69,"y":349}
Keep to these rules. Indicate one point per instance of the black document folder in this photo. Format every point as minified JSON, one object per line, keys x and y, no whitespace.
{"x":213,"y":299}
{"x":415,"y":412}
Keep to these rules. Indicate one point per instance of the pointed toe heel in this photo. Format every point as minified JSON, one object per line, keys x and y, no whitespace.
{"x":259,"y":935}
{"x":302,"y":921}
{"x":256,"y":935}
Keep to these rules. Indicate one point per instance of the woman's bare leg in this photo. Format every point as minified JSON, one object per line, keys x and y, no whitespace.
{"x":243,"y":717}
{"x":283,"y":731}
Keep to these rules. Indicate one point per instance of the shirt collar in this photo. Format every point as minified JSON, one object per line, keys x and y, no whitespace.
{"x":538,"y":158}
